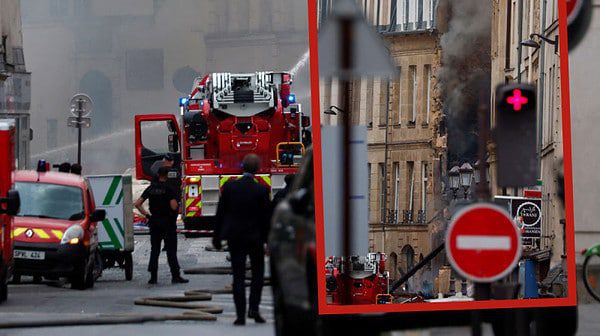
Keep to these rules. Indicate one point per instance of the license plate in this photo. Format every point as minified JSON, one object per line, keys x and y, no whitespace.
{"x":35,"y":255}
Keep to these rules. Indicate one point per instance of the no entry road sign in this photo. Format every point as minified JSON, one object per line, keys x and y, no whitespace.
{"x":483,"y":244}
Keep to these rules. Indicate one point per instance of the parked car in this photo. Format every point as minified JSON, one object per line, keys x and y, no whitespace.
{"x":55,"y":232}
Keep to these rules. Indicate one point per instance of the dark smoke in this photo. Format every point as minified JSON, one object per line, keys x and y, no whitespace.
{"x":466,"y":64}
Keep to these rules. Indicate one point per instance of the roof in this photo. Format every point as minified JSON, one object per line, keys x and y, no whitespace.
{"x":49,"y":177}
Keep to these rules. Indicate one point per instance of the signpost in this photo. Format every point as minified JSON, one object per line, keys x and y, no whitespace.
{"x":527,"y":214}
{"x":81,"y":108}
{"x":482,"y":243}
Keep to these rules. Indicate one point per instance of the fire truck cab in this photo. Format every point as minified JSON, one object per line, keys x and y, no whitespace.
{"x":9,"y":202}
{"x":226,"y":117}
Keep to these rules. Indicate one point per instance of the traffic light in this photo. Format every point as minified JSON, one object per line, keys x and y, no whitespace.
{"x":515,"y":135}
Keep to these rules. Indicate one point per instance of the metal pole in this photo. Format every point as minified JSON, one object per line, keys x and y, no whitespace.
{"x":482,"y":290}
{"x":346,"y":25}
{"x":541,"y":88}
{"x":79,"y":111}
{"x":519,"y":46}
{"x":385,"y":160}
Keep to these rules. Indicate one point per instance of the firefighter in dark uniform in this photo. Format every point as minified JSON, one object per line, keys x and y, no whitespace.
{"x":163,"y":210}
{"x":243,"y":216}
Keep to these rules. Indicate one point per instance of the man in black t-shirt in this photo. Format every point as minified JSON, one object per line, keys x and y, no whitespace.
{"x":163,"y":207}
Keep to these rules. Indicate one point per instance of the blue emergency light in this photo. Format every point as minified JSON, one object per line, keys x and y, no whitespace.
{"x":292,"y":98}
{"x":183,"y":101}
{"x":41,"y":166}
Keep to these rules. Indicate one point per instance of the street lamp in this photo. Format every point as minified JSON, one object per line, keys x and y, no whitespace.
{"x":454,"y":179}
{"x":466,"y":176}
{"x":533,"y":44}
{"x":331,"y":111}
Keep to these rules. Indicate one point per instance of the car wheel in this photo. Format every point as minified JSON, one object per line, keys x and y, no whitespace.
{"x":79,"y":278}
{"x":89,"y":277}
{"x":4,"y":285}
{"x":16,"y":278}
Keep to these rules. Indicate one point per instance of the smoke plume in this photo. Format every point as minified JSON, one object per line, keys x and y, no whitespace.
{"x":466,"y":64}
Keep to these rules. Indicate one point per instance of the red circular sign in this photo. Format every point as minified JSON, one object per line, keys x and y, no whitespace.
{"x":483,"y":244}
{"x":573,"y":9}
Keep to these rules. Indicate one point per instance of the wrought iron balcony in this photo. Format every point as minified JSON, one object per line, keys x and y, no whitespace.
{"x":421,"y":217}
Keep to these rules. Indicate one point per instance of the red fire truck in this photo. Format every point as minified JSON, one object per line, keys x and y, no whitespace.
{"x":367,"y":278}
{"x":9,"y":202}
{"x":225,"y":117}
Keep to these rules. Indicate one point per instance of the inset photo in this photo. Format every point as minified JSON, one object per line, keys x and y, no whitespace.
{"x":445,"y":156}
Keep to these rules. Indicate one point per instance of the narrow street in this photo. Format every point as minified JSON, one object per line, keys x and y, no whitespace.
{"x":112,"y":294}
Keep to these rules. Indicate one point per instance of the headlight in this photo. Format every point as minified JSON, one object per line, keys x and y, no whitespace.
{"x":73,"y":235}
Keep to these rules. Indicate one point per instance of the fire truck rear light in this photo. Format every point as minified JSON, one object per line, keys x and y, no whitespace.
{"x":195,"y":179}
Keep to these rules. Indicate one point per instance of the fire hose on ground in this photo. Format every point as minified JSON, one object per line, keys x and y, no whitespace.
{"x":193,"y":312}
{"x":223,"y":270}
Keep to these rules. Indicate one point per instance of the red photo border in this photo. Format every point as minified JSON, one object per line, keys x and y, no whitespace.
{"x":325,"y":309}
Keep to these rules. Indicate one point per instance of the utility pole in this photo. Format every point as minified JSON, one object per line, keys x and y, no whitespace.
{"x":384,"y":216}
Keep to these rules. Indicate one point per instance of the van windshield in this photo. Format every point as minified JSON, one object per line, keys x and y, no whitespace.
{"x":47,"y":200}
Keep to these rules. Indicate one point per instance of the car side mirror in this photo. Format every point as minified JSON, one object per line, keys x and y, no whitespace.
{"x":173,"y":143}
{"x":299,"y":201}
{"x":13,"y":202}
{"x":98,"y":215}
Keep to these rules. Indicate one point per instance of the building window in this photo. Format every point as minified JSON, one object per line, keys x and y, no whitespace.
{"x":399,"y":92}
{"x":82,"y":7}
{"x":420,"y":23}
{"x":266,"y":21}
{"x":52,"y":133}
{"x":424,"y":180}
{"x":144,"y":69}
{"x":412,"y":94}
{"x":393,"y":14}
{"x":396,"y":167}
{"x":551,"y":104}
{"x":432,"y":9}
{"x":59,"y":8}
{"x":406,"y":15}
{"x":384,"y":102}
{"x":369,"y":106}
{"x":382,"y":190}
{"x":411,"y":185}
{"x":427,"y":92}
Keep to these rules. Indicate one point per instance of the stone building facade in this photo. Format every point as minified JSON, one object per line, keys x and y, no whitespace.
{"x":15,"y":79}
{"x":513,"y":22}
{"x":402,"y":116}
{"x":139,"y":57}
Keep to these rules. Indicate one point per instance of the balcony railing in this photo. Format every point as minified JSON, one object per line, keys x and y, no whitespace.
{"x":392,"y":16}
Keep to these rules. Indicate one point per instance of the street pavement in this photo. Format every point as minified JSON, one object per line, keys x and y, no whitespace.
{"x":112,"y":294}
